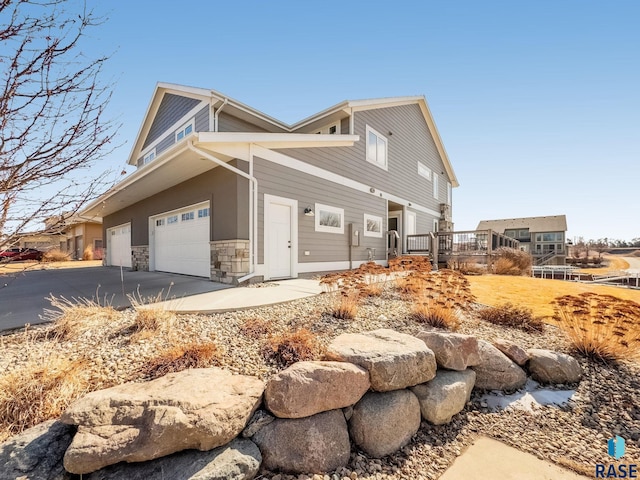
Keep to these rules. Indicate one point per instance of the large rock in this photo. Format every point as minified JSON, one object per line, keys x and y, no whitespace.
{"x":495,"y":371}
{"x":553,"y":367}
{"x":382,"y":423}
{"x":239,"y":460}
{"x":453,"y":351}
{"x":444,"y":396}
{"x":307,"y":388}
{"x":36,"y":453}
{"x":394,"y":360}
{"x":512,"y":350}
{"x":135,"y":422}
{"x":315,"y":444}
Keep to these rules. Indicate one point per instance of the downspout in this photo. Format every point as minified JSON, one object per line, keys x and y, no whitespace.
{"x":215,"y":115}
{"x":253,"y":203}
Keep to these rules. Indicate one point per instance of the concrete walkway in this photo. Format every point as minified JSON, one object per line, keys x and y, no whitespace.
{"x":489,"y":459}
{"x":242,"y":298}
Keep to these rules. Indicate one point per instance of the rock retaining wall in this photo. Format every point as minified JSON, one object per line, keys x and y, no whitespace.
{"x":373,"y":392}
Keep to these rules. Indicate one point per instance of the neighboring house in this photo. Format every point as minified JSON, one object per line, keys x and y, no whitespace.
{"x":76,"y":233}
{"x":543,"y":237}
{"x":226,"y":192}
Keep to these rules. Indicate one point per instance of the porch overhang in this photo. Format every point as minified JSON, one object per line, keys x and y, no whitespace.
{"x":180,"y":163}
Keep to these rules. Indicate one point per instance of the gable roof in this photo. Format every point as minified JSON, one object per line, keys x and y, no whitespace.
{"x":271,"y":124}
{"x":554,"y":223}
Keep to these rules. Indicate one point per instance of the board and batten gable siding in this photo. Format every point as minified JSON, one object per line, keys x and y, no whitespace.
{"x":201,"y":125}
{"x":227,"y":192}
{"x":229,"y":123}
{"x":171,"y":109}
{"x":410,"y":141}
{"x":308,"y":190}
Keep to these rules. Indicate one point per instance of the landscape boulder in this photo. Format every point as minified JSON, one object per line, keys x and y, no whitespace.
{"x":315,"y":444}
{"x":512,"y":350}
{"x":394,"y":360}
{"x":444,"y":396}
{"x":238,"y":460}
{"x":36,"y":453}
{"x":547,"y":366}
{"x":382,"y":423}
{"x":496,"y":371}
{"x":135,"y":422}
{"x":453,"y":351}
{"x":307,"y":388}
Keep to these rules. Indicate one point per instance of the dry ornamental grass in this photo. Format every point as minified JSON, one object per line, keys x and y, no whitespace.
{"x":289,"y":348}
{"x":602,"y":327}
{"x":181,"y":357}
{"x":510,"y":315}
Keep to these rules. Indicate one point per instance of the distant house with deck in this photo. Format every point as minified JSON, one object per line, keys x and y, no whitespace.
{"x":543,"y":237}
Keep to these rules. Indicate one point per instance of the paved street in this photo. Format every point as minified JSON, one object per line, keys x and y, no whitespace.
{"x":22,"y":294}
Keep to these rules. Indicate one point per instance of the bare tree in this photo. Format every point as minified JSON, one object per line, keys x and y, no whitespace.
{"x":52,"y":126}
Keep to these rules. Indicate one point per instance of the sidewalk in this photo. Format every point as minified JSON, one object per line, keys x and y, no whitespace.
{"x":242,"y":298}
{"x":489,"y":459}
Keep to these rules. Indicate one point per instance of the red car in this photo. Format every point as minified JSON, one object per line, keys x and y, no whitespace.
{"x":16,"y":254}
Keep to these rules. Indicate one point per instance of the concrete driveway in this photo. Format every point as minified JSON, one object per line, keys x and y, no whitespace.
{"x":22,"y":294}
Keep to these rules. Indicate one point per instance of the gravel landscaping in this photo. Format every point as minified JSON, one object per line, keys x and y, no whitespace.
{"x":606,"y":402}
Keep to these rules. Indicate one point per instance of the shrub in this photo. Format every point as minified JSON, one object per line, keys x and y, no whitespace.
{"x":76,"y":317}
{"x":466,"y":266}
{"x":511,"y":261}
{"x":345,"y":306}
{"x":181,"y":357}
{"x":56,"y":255}
{"x":39,"y":392}
{"x":289,"y":348}
{"x":509,"y":315}
{"x":435,"y":314}
{"x":87,"y":254}
{"x":602,"y":327}
{"x":255,"y":328}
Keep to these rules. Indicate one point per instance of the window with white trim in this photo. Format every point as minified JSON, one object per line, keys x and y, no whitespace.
{"x":329,"y":219}
{"x":185,"y":130}
{"x":449,"y":193}
{"x":149,"y":157}
{"x":172,"y":219}
{"x":424,"y":171}
{"x":187,"y":216}
{"x":436,"y":193}
{"x":376,"y":148}
{"x":159,"y":222}
{"x":203,"y":212}
{"x":372,"y":226}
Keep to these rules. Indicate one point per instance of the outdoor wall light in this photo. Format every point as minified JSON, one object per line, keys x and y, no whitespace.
{"x":308,"y":212}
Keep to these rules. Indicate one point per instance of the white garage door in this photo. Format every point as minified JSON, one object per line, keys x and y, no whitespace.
{"x":181,"y":241}
{"x":119,"y":245}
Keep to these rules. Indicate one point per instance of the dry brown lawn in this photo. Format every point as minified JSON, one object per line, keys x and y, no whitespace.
{"x":613,"y":264}
{"x":536,"y":293}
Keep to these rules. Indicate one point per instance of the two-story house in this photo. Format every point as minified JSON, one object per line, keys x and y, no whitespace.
{"x":543,"y":237}
{"x":226,"y":192}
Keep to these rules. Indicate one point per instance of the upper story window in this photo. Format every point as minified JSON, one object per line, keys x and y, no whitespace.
{"x":332,"y":129}
{"x":185,"y":130}
{"x":424,"y":171}
{"x":376,"y":148}
{"x":436,"y":193}
{"x":149,"y":157}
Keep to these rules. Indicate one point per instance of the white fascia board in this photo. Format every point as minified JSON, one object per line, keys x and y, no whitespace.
{"x":316,"y":116}
{"x":424,"y":106}
{"x":278,"y":140}
{"x":384,"y":102}
{"x":290,"y":162}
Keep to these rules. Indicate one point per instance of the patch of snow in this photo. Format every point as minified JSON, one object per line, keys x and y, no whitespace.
{"x":531,"y":395}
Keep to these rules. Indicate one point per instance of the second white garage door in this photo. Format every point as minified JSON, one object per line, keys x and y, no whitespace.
{"x":181,"y":241}
{"x":119,"y":246}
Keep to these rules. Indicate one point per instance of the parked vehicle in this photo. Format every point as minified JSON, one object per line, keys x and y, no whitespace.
{"x":17,"y":254}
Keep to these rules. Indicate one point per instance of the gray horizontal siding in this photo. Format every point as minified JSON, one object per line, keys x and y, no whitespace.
{"x":202,"y":120}
{"x":410,"y":141}
{"x":171,"y":109}
{"x":228,"y":123}
{"x":307,"y":190}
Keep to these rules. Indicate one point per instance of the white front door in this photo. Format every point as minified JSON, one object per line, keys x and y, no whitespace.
{"x":119,"y":246}
{"x":280,"y":241}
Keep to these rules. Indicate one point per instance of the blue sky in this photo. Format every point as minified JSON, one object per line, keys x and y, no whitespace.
{"x":537,"y":103}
